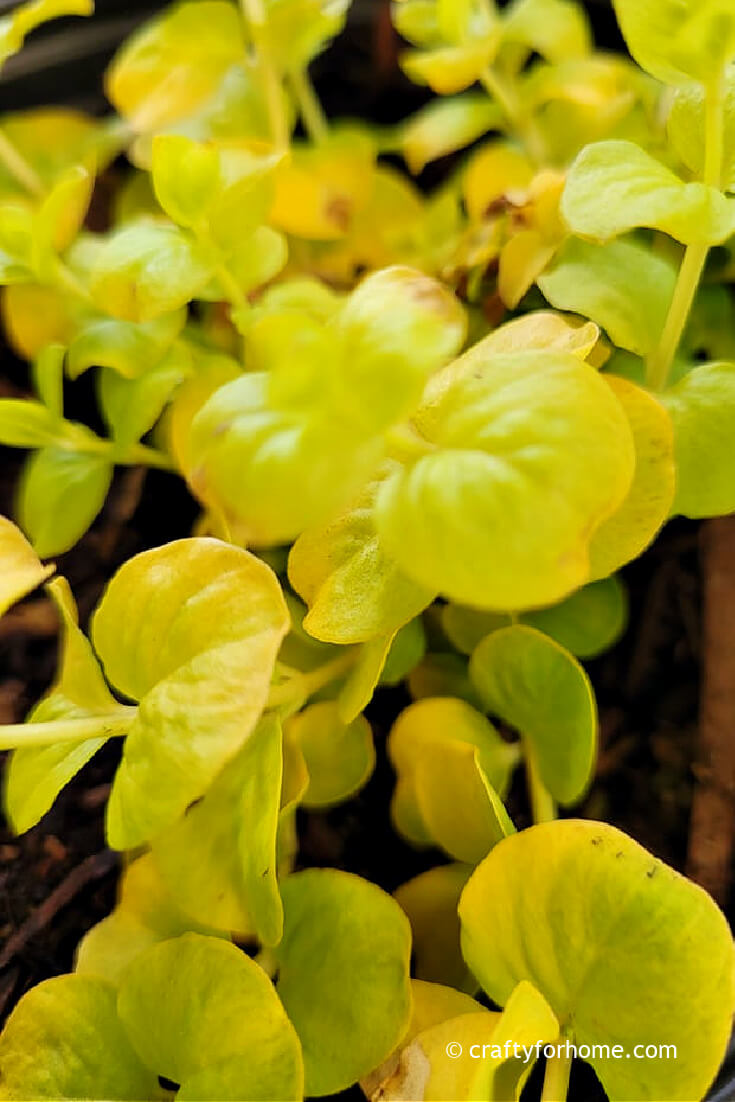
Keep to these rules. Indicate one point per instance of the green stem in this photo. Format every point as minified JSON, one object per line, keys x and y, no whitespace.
{"x":690,"y":273}
{"x":19,"y":167}
{"x":145,"y":456}
{"x":695,"y":256}
{"x":499,"y":89}
{"x":310,"y":108}
{"x":113,"y":725}
{"x":306,"y":684}
{"x":231,"y":289}
{"x":543,"y":806}
{"x":556,"y":1080}
{"x":256,"y":18}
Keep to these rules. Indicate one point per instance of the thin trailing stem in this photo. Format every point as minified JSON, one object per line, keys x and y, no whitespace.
{"x":687,"y":283}
{"x":229,"y":286}
{"x":310,"y":108}
{"x":18,"y":166}
{"x":556,"y":1080}
{"x":112,"y":725}
{"x":543,"y":806}
{"x":695,"y":256}
{"x":145,"y":456}
{"x":255,"y":16}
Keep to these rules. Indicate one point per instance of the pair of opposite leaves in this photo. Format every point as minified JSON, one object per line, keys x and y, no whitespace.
{"x":191,"y":631}
{"x":458,"y":42}
{"x":153,"y":998}
{"x":579,"y":934}
{"x":571,"y":926}
{"x":517,"y":457}
{"x":454,"y":768}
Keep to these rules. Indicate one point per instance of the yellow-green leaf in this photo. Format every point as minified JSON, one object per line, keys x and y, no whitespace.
{"x":430,"y":900}
{"x":532,"y":683}
{"x":624,"y":535}
{"x":453,"y":770}
{"x":174,"y":63}
{"x":219,"y":861}
{"x":641,"y":191}
{"x":364,"y":677}
{"x":343,"y":974}
{"x":686,"y":128}
{"x":35,"y":775}
{"x":701,"y":407}
{"x":191,"y":630}
{"x":529,"y":453}
{"x":556,"y":29}
{"x":21,"y":570}
{"x":678,"y":40}
{"x":444,"y":126}
{"x":219,"y":1008}
{"x":587,"y":622}
{"x":144,"y":915}
{"x":595,"y":281}
{"x":64,"y":1040}
{"x":147,"y":269}
{"x":339,"y":756}
{"x":185,"y":177}
{"x":433,"y":1003}
{"x":353,"y":588}
{"x":635,"y":953}
{"x":544,"y":329}
{"x":26,"y":17}
{"x":61,"y":492}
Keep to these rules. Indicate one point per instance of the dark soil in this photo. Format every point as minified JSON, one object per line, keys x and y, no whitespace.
{"x":58,"y":879}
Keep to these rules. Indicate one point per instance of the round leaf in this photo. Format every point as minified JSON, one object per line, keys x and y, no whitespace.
{"x":430,"y":900}
{"x":595,"y":281}
{"x":678,"y":40}
{"x":61,"y":492}
{"x":339,"y":756}
{"x":530,"y":453}
{"x":589,"y":621}
{"x":144,"y":915}
{"x":453,"y":770}
{"x":702,"y":405}
{"x":147,"y":269}
{"x":191,"y":630}
{"x":530,"y":682}
{"x":343,"y":974}
{"x":640,"y":191}
{"x":219,"y":1006}
{"x":276,"y":471}
{"x":64,"y":1040}
{"x":624,"y":950}
{"x":624,"y":535}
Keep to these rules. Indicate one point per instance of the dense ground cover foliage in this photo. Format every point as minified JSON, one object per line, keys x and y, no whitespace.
{"x":425,"y":433}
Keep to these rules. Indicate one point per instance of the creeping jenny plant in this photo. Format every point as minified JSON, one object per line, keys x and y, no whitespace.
{"x":393,"y":489}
